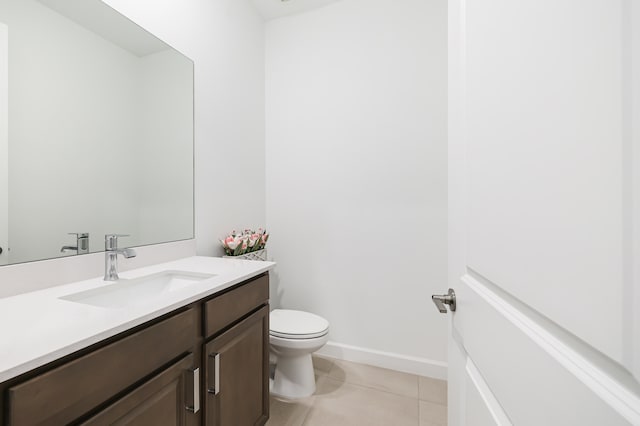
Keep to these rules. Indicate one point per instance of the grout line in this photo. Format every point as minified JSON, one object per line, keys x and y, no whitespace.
{"x":434,"y":402}
{"x":361,"y":386}
{"x":417,"y":401}
{"x":306,"y":415}
{"x":430,"y":400}
{"x":334,"y":365}
{"x":375,"y":388}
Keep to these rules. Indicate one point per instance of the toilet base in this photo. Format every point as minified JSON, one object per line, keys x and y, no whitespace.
{"x":294,"y":377}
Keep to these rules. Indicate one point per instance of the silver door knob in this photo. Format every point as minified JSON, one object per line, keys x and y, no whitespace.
{"x":445,"y":299}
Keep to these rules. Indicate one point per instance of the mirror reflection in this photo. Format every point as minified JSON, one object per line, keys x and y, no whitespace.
{"x":96,"y":131}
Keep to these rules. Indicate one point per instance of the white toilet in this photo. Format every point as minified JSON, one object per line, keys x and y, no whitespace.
{"x":294,"y":336}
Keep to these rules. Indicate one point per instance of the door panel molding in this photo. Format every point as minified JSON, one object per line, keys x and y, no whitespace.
{"x":541,"y":342}
{"x":489,"y":400}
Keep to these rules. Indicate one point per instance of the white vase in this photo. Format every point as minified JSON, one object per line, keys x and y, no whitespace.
{"x":254,"y":255}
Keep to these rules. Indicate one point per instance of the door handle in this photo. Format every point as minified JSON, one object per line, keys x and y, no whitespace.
{"x":445,"y":299}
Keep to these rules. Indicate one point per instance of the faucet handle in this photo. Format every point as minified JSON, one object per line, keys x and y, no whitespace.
{"x":79,"y":234}
{"x":111,"y":241}
{"x":82,"y":242}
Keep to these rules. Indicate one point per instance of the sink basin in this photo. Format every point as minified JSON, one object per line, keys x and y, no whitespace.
{"x":138,"y":291}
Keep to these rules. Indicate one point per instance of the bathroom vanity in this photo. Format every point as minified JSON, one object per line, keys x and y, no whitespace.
{"x":196,"y":356}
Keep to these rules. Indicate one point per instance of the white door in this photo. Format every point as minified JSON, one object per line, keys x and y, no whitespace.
{"x":4,"y":142}
{"x":544,"y":202}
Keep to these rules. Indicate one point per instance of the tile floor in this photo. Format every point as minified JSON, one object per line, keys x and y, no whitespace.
{"x":356,"y":394}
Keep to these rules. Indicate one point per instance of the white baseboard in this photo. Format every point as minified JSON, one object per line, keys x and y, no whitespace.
{"x":407,"y":364}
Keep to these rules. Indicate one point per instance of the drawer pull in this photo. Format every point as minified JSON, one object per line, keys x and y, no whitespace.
{"x":196,"y":392}
{"x":215,"y":358}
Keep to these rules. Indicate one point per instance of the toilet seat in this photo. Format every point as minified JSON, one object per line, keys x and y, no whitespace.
{"x":290,"y":324}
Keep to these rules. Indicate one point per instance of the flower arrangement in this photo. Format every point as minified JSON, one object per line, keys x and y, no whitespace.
{"x":247,"y":241}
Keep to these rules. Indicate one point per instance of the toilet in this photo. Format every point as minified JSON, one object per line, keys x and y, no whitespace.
{"x":293,"y":337}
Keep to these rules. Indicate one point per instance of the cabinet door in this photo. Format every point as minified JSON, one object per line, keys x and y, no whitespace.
{"x":237,"y":374}
{"x":166,"y":400}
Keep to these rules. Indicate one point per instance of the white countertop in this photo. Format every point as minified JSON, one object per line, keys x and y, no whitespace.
{"x":38,"y":327}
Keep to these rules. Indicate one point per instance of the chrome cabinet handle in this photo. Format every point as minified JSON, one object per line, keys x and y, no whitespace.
{"x":215,"y":358}
{"x":196,"y":392}
{"x":445,"y":299}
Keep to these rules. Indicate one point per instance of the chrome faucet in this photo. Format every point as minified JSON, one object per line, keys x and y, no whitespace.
{"x":111,"y":252}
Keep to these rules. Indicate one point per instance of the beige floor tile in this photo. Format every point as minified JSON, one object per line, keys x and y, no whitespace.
{"x":322,"y":365}
{"x":288,"y":413}
{"x":432,"y":414}
{"x":376,"y":378}
{"x":433,"y":390}
{"x":345,"y":404}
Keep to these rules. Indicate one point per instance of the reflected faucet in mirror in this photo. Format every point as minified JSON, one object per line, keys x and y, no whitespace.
{"x":111,"y":252}
{"x":82,"y":243}
{"x":127,"y":89}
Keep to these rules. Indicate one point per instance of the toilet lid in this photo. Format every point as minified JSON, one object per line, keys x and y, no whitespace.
{"x":296,"y":324}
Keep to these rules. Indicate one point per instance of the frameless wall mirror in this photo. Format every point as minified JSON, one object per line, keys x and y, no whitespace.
{"x":96,"y":131}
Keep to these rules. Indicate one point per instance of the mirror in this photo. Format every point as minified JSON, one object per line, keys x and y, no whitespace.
{"x":96,"y":131}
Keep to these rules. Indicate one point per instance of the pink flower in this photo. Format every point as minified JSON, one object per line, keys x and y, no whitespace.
{"x":231,"y":242}
{"x":246,"y":241}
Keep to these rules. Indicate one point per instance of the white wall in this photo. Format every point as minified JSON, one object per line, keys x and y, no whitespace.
{"x":4,"y":141}
{"x":225,"y":38}
{"x":356,"y":175}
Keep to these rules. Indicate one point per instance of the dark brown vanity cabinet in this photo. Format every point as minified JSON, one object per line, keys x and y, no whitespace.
{"x":236,"y":358}
{"x":236,"y":377}
{"x":206,"y":363}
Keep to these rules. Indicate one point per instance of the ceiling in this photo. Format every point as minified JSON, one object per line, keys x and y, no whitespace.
{"x":271,"y":9}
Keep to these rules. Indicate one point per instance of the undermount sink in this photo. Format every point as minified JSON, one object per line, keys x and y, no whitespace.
{"x":138,"y":291}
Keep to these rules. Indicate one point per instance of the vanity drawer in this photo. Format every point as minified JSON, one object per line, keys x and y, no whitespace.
{"x":223,"y":310}
{"x":67,"y":392}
